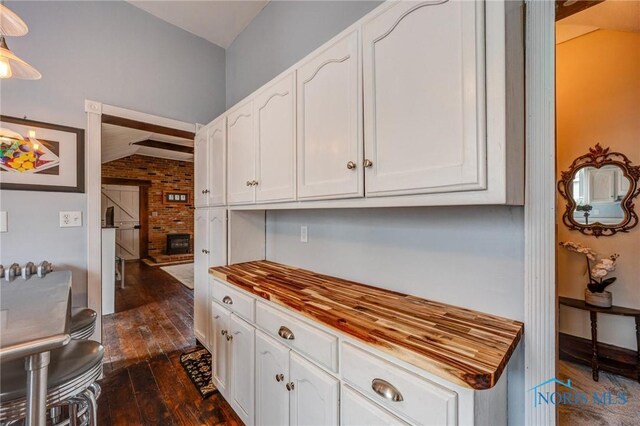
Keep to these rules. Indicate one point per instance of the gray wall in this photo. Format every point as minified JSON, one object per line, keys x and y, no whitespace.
{"x":283,"y":33}
{"x":114,"y":53}
{"x":467,"y":256}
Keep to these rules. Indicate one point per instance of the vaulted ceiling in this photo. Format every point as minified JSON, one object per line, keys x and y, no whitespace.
{"x":219,"y":22}
{"x":119,"y":142}
{"x":617,"y":15}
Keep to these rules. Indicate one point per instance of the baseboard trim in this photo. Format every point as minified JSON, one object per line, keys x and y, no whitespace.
{"x":612,"y":359}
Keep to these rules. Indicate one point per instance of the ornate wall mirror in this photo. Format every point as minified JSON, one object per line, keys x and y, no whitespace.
{"x":599,"y":189}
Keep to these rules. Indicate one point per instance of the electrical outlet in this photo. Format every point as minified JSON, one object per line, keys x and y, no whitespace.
{"x":70,"y":219}
{"x":304,"y":234}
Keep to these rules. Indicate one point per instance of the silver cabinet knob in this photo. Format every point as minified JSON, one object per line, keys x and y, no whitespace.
{"x":249,"y":183}
{"x":386,"y":390}
{"x":205,"y":191}
{"x":229,"y":337}
{"x":279,"y":377}
{"x":205,"y":251}
{"x":227,"y":300}
{"x":368,"y":163}
{"x":351,"y":165}
{"x":290,"y":386}
{"x":285,"y":333}
{"x":223,"y":332}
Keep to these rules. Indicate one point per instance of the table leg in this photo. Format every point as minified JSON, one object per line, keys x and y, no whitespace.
{"x":594,"y":345}
{"x":638,"y":343}
{"x":37,"y":366}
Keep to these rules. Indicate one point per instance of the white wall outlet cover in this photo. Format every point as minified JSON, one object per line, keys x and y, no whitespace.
{"x":3,"y":222}
{"x":304,"y":234}
{"x":70,"y":219}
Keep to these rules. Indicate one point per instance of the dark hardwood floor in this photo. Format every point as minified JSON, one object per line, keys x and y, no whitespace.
{"x":144,"y":383}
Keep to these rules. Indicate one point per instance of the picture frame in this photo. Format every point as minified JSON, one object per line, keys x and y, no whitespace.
{"x":175,"y":197}
{"x":39,"y":156}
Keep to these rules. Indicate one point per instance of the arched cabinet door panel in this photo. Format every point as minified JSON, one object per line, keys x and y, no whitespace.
{"x":201,"y":169}
{"x":314,"y":394}
{"x":329,"y":120}
{"x":424,"y":98}
{"x":241,"y":150}
{"x":217,"y":136}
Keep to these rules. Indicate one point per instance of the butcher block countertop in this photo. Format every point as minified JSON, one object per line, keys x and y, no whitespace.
{"x":460,"y":345}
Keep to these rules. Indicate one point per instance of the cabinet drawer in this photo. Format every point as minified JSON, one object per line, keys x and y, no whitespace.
{"x":359,"y":411}
{"x":422,"y":401}
{"x":234,"y":300}
{"x":312,"y":342}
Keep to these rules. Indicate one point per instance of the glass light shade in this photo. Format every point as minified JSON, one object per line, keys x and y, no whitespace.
{"x":10,"y":23}
{"x":13,"y":67}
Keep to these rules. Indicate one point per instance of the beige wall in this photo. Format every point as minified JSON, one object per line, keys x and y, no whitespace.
{"x":598,"y":101}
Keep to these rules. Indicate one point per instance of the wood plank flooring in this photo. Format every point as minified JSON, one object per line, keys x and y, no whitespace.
{"x":144,"y":383}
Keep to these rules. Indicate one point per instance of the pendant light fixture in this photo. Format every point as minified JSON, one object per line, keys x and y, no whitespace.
{"x":13,"y":67}
{"x":10,"y":23}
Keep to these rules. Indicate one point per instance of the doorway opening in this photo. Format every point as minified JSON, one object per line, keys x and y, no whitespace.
{"x":598,"y":127}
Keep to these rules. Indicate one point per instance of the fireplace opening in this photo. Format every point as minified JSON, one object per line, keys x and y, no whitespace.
{"x":178,"y":243}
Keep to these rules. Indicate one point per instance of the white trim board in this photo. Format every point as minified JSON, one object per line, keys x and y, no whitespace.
{"x":93,"y":167}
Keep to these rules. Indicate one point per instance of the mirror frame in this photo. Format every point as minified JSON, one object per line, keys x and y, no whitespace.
{"x":598,"y":157}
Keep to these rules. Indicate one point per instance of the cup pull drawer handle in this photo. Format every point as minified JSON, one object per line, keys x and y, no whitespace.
{"x":285,"y":333}
{"x":386,"y":390}
{"x":227,"y":300}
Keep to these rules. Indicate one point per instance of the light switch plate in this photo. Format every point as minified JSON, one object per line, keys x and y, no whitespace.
{"x":3,"y":222}
{"x":70,"y":219}
{"x":304,"y":234}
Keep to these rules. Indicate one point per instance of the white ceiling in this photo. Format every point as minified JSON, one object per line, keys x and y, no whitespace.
{"x":220,"y":22}
{"x":617,"y":15}
{"x":117,"y":142}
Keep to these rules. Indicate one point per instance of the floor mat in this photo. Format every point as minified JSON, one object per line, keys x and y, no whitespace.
{"x":197,"y":364}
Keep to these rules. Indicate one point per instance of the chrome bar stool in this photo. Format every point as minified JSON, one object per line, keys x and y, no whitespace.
{"x":73,"y":371}
{"x":83,"y":323}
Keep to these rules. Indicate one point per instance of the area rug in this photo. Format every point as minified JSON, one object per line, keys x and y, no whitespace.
{"x":197,"y":364}
{"x":182,"y":273}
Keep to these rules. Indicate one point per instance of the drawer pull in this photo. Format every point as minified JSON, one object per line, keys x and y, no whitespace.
{"x":279,"y":377}
{"x":285,"y":333}
{"x":386,"y":390}
{"x":227,"y":300}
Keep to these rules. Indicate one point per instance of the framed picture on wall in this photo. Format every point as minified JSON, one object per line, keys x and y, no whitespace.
{"x":175,"y":197}
{"x":36,"y":156}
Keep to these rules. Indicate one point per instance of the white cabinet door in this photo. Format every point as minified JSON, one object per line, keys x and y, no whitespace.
{"x":217,"y":230}
{"x":220,"y":348}
{"x":275,"y":141}
{"x":201,"y":276}
{"x":272,"y":375}
{"x":359,"y":411}
{"x":329,"y":120}
{"x":201,"y":168}
{"x":242,"y":356}
{"x":217,"y":135}
{"x":241,"y":150}
{"x":314,"y":396}
{"x":424,"y":98}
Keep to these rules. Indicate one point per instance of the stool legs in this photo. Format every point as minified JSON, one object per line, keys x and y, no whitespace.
{"x":36,"y":366}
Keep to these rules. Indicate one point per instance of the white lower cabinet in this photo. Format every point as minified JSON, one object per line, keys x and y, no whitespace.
{"x":219,"y":354}
{"x":291,"y":390}
{"x":241,"y":378}
{"x":360,"y":411}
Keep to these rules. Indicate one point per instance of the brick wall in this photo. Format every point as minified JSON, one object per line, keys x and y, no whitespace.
{"x":165,"y":175}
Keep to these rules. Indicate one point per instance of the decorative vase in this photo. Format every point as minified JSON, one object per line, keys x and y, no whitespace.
{"x":601,"y":300}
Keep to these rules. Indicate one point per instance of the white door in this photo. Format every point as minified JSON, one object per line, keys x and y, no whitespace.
{"x":201,"y":169}
{"x":220,"y":345}
{"x":424,"y":98}
{"x":125,"y":200}
{"x":329,"y":120}
{"x":601,"y":185}
{"x":275,"y":141}
{"x":360,"y":411}
{"x":241,"y":150}
{"x":217,"y":135}
{"x":314,"y":396}
{"x":242,"y":355}
{"x":201,"y":275}
{"x":272,"y":376}
{"x":217,"y":230}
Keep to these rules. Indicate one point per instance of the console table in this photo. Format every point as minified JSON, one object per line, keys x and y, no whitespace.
{"x":593,"y":313}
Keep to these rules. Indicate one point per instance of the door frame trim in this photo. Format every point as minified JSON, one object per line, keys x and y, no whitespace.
{"x":93,"y":181}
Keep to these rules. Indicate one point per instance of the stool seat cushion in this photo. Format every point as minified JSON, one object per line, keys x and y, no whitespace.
{"x":82,"y":318}
{"x":66,"y":363}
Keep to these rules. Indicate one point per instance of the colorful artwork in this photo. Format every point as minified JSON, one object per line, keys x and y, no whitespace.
{"x":30,"y":155}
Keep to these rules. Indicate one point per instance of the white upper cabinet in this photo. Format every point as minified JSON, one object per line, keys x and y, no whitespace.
{"x":217,"y":136}
{"x":424,"y":102}
{"x":274,"y":119}
{"x":329,"y":121}
{"x":201,"y":168}
{"x":241,"y":150}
